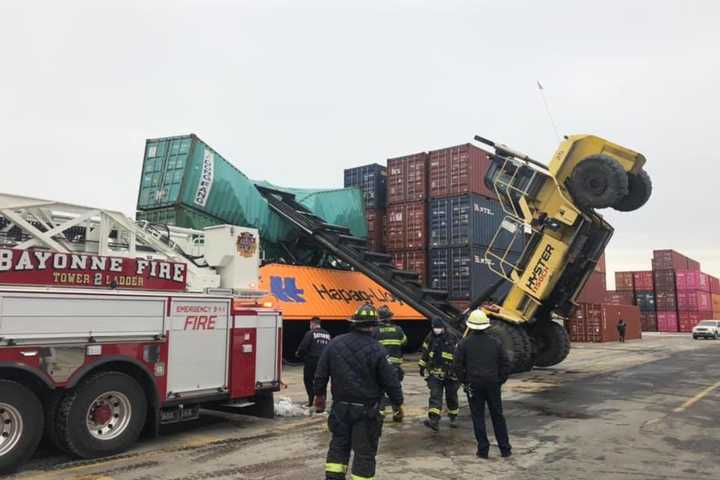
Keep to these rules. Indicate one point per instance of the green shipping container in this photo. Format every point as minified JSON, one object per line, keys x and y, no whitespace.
{"x":187,"y":176}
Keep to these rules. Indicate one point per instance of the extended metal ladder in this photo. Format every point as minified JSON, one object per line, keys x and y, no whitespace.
{"x":338,"y":240}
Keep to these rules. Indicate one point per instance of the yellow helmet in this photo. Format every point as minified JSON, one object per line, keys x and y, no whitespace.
{"x":478,"y":320}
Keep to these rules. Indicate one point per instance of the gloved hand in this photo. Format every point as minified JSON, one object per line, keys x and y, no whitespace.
{"x":319,"y":403}
{"x":422,"y":372}
{"x":398,"y":414}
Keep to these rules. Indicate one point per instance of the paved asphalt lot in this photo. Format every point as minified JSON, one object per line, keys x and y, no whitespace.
{"x":647,"y":409}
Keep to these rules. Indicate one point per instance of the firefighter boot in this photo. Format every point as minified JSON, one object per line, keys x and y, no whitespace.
{"x":433,"y":422}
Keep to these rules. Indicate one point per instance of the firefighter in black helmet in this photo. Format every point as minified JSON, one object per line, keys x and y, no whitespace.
{"x":392,"y":337}
{"x":361,"y":374}
{"x":437,"y":357}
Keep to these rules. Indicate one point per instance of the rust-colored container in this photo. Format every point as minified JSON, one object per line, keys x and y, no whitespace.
{"x":458,"y":170}
{"x":714,"y":285}
{"x":406,"y":227}
{"x":664,"y":280}
{"x":666,"y":300}
{"x":413,"y":260}
{"x":693,"y":265}
{"x":688,"y":320}
{"x":715,"y":298}
{"x":407,"y":178}
{"x":648,"y":321}
{"x":694,"y":301}
{"x":613,"y":297}
{"x":601,"y":265}
{"x":594,"y":290}
{"x":624,"y":281}
{"x":667,"y":321}
{"x":376,"y":229}
{"x":669,"y":260}
{"x":694,"y":280}
{"x":598,"y":322}
{"x":643,"y":280}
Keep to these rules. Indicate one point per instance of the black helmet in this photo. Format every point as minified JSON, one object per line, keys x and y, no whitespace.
{"x":365,"y":316}
{"x":384,"y":313}
{"x":437,"y":323}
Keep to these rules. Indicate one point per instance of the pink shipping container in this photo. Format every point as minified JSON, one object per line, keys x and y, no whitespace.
{"x":624,"y":281}
{"x":714,"y":285}
{"x":407,"y":178}
{"x":692,"y":281}
{"x":693,"y":265}
{"x":669,"y":260}
{"x":643,"y":280}
{"x":667,"y":321}
{"x":406,"y":227}
{"x":613,"y":297}
{"x":694,"y":301}
{"x":688,"y":320}
{"x":458,"y":170}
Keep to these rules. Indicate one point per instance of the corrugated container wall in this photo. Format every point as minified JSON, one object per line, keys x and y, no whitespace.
{"x":613,"y":297}
{"x":624,"y":281}
{"x":406,"y":226}
{"x":694,"y":301}
{"x":413,"y":261}
{"x":669,"y":260}
{"x":692,"y":281}
{"x":648,"y":321}
{"x":376,"y":229}
{"x":643,"y":280}
{"x":664,"y":280}
{"x":693,"y":265}
{"x":407,"y":178}
{"x":714,"y":285}
{"x":372,"y":181}
{"x":467,"y":220}
{"x":595,"y":289}
{"x":464,"y":272}
{"x":645,"y":300}
{"x":667,"y":321}
{"x":598,"y":322}
{"x":458,"y":170}
{"x":715,"y":298}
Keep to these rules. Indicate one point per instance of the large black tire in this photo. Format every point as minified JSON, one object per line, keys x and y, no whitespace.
{"x":21,"y":427}
{"x":598,"y":181}
{"x":52,"y":407}
{"x":517,"y":344}
{"x":640,"y":189}
{"x":552,"y":344}
{"x":119,"y":405}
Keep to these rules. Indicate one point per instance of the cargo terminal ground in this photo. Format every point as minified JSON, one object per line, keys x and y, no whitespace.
{"x":641,"y":410}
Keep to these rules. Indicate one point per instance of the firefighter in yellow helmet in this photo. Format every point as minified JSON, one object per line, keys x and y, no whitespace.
{"x":361,"y":374}
{"x":392,"y":337}
{"x":482,"y":366}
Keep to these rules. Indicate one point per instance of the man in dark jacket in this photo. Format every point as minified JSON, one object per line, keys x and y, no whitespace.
{"x":482,"y":366}
{"x":361,"y":374}
{"x":310,"y":349}
{"x":392,"y":337}
{"x":436,"y":358}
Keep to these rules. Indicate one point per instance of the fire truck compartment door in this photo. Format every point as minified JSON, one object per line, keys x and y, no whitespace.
{"x":198,"y":340}
{"x":266,"y":350}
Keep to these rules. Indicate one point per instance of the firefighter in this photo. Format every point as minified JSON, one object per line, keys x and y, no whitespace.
{"x":437,"y":360}
{"x":482,"y":365}
{"x":392,"y":337}
{"x":361,"y":374}
{"x":310,"y":349}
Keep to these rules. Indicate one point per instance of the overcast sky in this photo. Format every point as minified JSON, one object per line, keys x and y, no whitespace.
{"x":294,"y":94}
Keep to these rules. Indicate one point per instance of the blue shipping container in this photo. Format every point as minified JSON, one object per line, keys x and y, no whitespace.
{"x":464,"y":272}
{"x":466,"y":220}
{"x":372,"y":180}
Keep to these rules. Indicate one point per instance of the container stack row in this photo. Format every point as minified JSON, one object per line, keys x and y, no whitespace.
{"x":597,"y":323}
{"x":372,"y":181}
{"x":672,"y":297}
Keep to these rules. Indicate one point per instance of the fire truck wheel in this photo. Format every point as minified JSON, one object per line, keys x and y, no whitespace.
{"x":21,"y":425}
{"x":263,"y":406}
{"x":517,"y":344}
{"x":551,"y":342}
{"x":52,"y":406}
{"x":103,"y":416}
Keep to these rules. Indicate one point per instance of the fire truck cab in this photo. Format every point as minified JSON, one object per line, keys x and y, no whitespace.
{"x":110,"y":328}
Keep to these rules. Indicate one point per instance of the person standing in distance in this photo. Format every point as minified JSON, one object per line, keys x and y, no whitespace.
{"x":393,"y":338}
{"x":621,"y":327}
{"x":482,"y":366}
{"x":361,"y":375}
{"x":438,"y":350}
{"x":310,"y":349}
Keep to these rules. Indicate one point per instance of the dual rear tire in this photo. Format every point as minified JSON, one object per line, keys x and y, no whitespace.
{"x":104,"y":415}
{"x":599,"y":181}
{"x":544,"y":344}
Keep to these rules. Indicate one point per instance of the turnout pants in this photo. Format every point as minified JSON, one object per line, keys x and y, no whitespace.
{"x":478,"y":396}
{"x":437,"y":386}
{"x":355,"y":427}
{"x":386,"y":400}
{"x":310,"y":365}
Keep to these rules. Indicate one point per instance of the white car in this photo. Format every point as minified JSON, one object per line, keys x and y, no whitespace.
{"x":707,"y":329}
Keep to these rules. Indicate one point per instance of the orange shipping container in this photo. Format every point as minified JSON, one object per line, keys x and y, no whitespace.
{"x":305,"y":292}
{"x":716,"y":304}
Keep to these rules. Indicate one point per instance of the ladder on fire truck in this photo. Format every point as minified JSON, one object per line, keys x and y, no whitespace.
{"x":338,"y":240}
{"x":67,"y":228}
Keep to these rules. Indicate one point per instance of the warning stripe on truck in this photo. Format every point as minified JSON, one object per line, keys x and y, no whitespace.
{"x":305,"y":292}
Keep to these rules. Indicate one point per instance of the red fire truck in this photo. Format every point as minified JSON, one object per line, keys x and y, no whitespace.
{"x":110,"y":328}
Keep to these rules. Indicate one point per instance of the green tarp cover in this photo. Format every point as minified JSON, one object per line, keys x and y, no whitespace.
{"x":185,"y":171}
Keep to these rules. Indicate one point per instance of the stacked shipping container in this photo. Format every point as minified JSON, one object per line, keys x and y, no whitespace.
{"x":406,"y":221}
{"x":598,"y":322}
{"x":372,"y":181}
{"x":694,"y":300}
